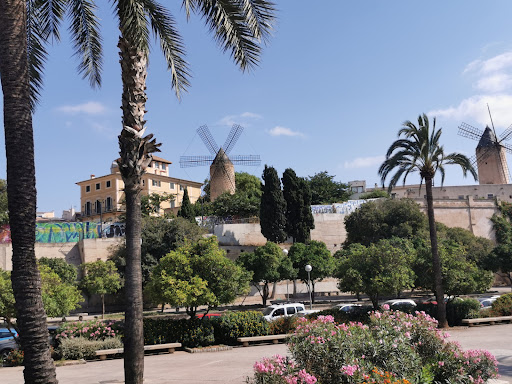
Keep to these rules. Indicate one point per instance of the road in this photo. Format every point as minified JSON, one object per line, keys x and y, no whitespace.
{"x":235,"y":365}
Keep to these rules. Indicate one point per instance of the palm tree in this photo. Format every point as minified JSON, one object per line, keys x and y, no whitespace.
{"x":22,"y":54}
{"x":420,"y":151}
{"x":239,"y":26}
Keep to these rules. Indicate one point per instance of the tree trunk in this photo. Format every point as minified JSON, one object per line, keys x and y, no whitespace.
{"x":264,"y":295}
{"x":312,"y":292}
{"x":21,"y":190}
{"x":436,"y":261}
{"x":274,"y":289}
{"x":102,"y":306}
{"x":132,"y":165}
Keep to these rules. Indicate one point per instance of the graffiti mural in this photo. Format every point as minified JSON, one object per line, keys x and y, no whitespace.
{"x":68,"y":232}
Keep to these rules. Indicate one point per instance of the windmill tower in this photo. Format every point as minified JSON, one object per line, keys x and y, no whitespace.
{"x":490,"y":157}
{"x":222,"y":166}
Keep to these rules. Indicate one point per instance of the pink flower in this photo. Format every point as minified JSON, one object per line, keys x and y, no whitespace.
{"x":440,"y":363}
{"x":349,"y":370}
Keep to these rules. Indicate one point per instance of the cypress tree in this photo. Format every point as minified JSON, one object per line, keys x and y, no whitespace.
{"x":187,"y":210}
{"x":299,"y":219}
{"x":272,"y":207}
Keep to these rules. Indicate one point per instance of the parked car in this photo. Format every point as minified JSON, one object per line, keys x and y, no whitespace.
{"x":207,"y":315}
{"x":276,"y":311}
{"x":353,"y":307}
{"x":7,"y":342}
{"x":487,"y":301}
{"x":400,"y":304}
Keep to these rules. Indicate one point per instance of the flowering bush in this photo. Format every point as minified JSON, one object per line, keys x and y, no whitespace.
{"x":91,"y":330}
{"x":14,"y":358}
{"x":280,"y":370}
{"x":82,"y":348}
{"x":395,"y":347}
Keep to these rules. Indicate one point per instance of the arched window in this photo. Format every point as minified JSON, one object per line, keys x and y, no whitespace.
{"x":87,"y":209}
{"x":97,"y":206}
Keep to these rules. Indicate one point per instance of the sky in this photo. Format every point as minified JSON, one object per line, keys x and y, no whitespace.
{"x":335,"y":83}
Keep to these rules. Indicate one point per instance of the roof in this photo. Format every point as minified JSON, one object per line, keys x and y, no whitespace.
{"x":156,"y":158}
{"x":488,"y":139}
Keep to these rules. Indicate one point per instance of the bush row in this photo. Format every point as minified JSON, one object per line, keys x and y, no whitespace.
{"x":83,"y":348}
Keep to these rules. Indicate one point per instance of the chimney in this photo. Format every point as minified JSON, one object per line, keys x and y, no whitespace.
{"x":93,"y":176}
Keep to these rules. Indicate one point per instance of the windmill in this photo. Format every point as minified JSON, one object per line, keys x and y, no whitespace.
{"x":490,"y":157}
{"x":222,"y":170}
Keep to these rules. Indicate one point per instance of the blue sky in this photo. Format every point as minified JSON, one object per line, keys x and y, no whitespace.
{"x":334,"y":85}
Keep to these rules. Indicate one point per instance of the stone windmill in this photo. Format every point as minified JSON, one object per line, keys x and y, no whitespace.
{"x":222,"y":166}
{"x":490,"y":157}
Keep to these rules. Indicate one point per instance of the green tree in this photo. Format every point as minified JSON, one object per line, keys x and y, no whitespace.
{"x":197,"y":274}
{"x":299,"y":218}
{"x":384,"y":219}
{"x":150,"y":204}
{"x":376,"y":194}
{"x":59,"y":297}
{"x":324,"y":190}
{"x":66,"y":272}
{"x":268,"y":264}
{"x":4,"y":209}
{"x":382,"y":268}
{"x":160,"y":235}
{"x":240,"y":28}
{"x":23,"y":41}
{"x":420,"y":151}
{"x":273,"y":207}
{"x":100,"y":278}
{"x":7,"y":308}
{"x":186,"y":211}
{"x":500,"y":259}
{"x":316,"y":254}
{"x":461,"y":275}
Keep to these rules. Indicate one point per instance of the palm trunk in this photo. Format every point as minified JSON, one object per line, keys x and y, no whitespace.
{"x":132,"y":166}
{"x":21,"y":190}
{"x":436,"y":261}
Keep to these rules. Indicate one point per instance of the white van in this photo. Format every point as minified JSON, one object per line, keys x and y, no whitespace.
{"x":276,"y":311}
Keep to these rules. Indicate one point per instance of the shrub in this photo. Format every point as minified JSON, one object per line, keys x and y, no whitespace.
{"x":90,"y":330}
{"x":503,"y":305}
{"x":279,"y":370}
{"x":283,"y":325}
{"x":82,"y":348}
{"x":358,"y":314}
{"x":399,"y":345}
{"x":14,"y":358}
{"x":233,"y":325}
{"x":190,"y":333}
{"x":456,"y":310}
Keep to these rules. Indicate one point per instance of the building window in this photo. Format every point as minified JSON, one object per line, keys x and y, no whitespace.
{"x":108,"y":185}
{"x":156,"y":164}
{"x":108,"y":204}
{"x":87,"y":188}
{"x":164,"y":167}
{"x":98,"y":186}
{"x":181,"y":188}
{"x":172,"y":186}
{"x":97,"y":206}
{"x":173,"y":204}
{"x":461,"y":197}
{"x":87,"y":209}
{"x":156,"y":183}
{"x":490,"y":196}
{"x":143,"y":182}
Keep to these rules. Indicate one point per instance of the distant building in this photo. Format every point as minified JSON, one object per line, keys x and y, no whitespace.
{"x":102,"y":198}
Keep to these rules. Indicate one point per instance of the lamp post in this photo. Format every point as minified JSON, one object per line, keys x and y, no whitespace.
{"x":285,"y":252}
{"x":308,"y":269}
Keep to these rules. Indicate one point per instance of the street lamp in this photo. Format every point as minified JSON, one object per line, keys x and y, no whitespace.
{"x":285,"y":253}
{"x":308,"y":269}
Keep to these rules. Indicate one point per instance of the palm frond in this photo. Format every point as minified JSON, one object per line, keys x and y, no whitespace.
{"x":133,"y":23}
{"x":260,"y":17}
{"x":86,"y":38}
{"x":464,"y":162}
{"x":51,"y":13}
{"x":171,"y":43}
{"x":227,"y":20}
{"x":36,"y":52}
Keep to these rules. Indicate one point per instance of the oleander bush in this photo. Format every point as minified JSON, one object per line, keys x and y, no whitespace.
{"x":14,"y":358}
{"x":232,"y":325}
{"x":282,"y":325}
{"x":503,"y":305}
{"x":76,"y":348}
{"x":456,"y":310}
{"x":393,"y":347}
{"x":358,"y":314}
{"x":90,"y":330}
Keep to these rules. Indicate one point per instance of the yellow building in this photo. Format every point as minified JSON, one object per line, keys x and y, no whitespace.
{"x":102,"y":198}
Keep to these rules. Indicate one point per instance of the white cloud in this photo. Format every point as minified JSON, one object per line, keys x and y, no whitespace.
{"x":475,"y":109}
{"x":364,"y":162}
{"x":283,"y":131}
{"x":242,"y":118}
{"x":494,"y":64}
{"x":89,"y":108}
{"x":498,"y":82}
